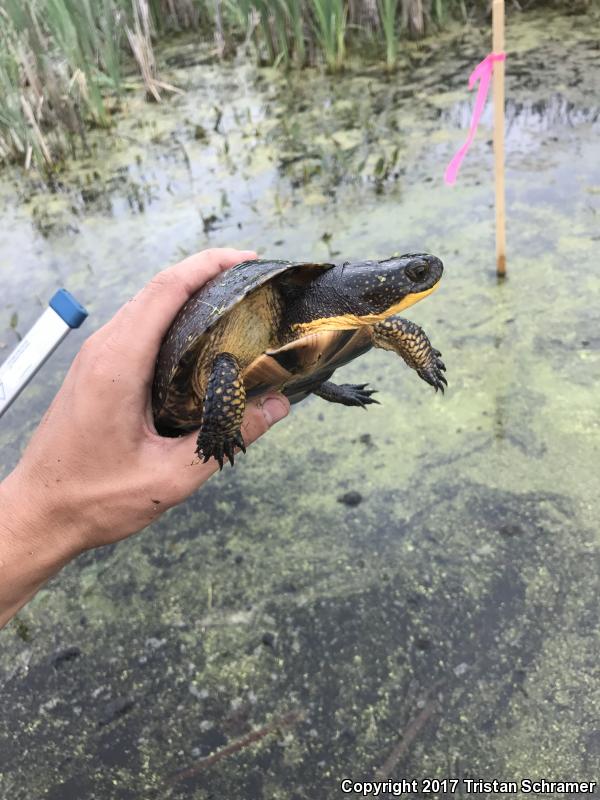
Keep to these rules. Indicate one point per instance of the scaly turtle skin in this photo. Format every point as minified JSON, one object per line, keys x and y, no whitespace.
{"x":266,"y":326}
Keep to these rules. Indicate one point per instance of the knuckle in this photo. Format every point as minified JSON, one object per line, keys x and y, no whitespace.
{"x":164,"y":280}
{"x":219,"y":256}
{"x":89,"y":349}
{"x":213,"y":253}
{"x":169,"y":282}
{"x":98,"y":357}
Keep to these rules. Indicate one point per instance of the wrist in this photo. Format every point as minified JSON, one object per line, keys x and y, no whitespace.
{"x":40,"y":515}
{"x":35,"y":542}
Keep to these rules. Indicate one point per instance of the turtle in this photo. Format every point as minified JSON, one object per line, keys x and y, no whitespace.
{"x":271,"y":325}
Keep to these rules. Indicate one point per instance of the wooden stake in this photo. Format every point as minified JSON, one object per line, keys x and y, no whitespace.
{"x":498,"y":47}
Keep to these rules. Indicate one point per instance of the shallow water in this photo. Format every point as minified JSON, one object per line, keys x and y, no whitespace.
{"x":457,"y":603}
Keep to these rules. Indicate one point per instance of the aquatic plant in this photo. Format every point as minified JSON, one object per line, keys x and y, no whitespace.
{"x":56,"y":59}
{"x":61,"y":59}
{"x":331,"y":17}
{"x":413,"y":17}
{"x":388,"y":10}
{"x":276,"y":28}
{"x":279,"y":29}
{"x":62,"y":62}
{"x":295,"y":16}
{"x":442,"y":9}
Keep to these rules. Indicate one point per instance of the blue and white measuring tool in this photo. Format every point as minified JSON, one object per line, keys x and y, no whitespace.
{"x":63,"y":314}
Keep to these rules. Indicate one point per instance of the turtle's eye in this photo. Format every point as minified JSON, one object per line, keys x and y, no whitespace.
{"x":418,"y":272}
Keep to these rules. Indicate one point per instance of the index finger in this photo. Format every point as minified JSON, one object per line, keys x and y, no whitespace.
{"x":139,"y":326}
{"x":148,"y":315}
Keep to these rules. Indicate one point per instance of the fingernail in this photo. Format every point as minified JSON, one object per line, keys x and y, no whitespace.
{"x":274,"y":409}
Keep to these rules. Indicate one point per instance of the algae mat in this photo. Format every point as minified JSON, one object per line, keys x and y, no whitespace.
{"x":410,"y":592}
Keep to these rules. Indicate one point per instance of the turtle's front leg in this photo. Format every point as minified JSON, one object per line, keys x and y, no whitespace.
{"x":222,"y":411}
{"x":410,"y":341}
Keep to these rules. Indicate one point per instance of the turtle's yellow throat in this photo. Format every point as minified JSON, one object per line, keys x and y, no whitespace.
{"x":351,"y":321}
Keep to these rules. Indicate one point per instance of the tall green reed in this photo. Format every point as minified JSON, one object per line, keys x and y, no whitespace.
{"x":275,"y":26}
{"x":441,"y":10}
{"x":331,"y":17}
{"x":60,"y":58}
{"x":388,"y":11}
{"x":293,"y":10}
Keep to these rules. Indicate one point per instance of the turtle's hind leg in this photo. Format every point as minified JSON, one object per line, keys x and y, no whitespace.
{"x":411,"y":342}
{"x":222,"y":411}
{"x":348,"y":394}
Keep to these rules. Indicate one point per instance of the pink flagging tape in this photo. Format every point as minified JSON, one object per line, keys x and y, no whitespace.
{"x":482,"y":73}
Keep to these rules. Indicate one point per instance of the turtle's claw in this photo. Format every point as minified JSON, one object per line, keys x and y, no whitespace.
{"x":228,"y":447}
{"x":219,"y":448}
{"x":357,"y":394}
{"x":433,"y":374}
{"x":238,"y":440}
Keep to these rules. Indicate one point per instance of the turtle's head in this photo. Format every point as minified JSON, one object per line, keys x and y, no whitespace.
{"x":386,"y":287}
{"x":361,"y":293}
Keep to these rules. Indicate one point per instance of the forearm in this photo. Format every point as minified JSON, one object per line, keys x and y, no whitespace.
{"x":34,"y":546}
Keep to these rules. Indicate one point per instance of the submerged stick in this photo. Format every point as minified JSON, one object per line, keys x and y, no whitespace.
{"x":498,"y":47}
{"x":411,"y":732}
{"x":285,"y":721}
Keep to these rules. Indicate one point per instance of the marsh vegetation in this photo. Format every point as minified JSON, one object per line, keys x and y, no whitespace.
{"x":65,"y":64}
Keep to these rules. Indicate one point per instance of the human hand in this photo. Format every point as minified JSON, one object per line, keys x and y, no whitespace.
{"x":95,"y":469}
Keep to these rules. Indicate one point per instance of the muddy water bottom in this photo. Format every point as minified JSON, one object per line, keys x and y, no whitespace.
{"x":426,"y":572}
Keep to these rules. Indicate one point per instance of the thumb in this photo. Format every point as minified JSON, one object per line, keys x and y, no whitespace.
{"x":262,"y":414}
